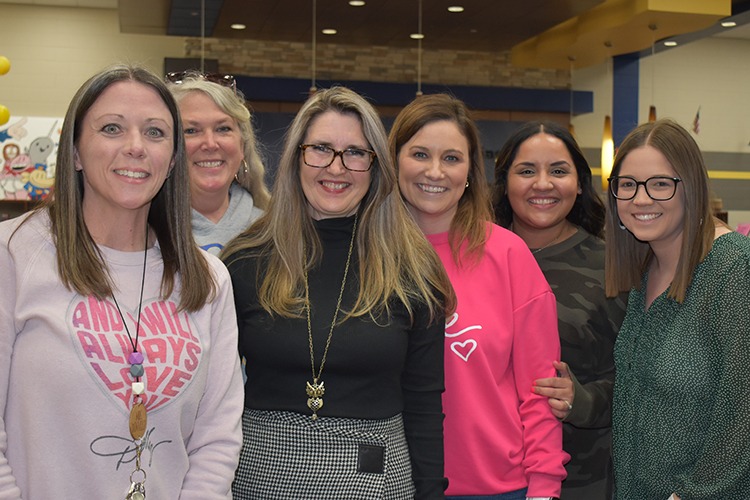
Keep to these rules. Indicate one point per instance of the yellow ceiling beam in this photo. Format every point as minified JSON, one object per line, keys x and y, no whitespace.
{"x":616,"y":27}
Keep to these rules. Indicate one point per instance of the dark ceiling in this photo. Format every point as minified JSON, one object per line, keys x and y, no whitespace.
{"x":485,"y":25}
{"x":541,"y":33}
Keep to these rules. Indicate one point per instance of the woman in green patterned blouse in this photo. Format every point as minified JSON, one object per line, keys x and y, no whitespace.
{"x":681,"y":422}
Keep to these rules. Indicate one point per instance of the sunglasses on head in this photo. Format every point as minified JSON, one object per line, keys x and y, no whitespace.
{"x":178,"y":77}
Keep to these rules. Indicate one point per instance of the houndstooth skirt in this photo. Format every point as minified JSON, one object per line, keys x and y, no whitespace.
{"x":289,"y":456}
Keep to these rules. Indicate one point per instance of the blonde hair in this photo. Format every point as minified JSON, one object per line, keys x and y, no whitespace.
{"x":233,"y":104}
{"x":395,"y":260}
{"x":626,"y":258}
{"x":80,"y":264}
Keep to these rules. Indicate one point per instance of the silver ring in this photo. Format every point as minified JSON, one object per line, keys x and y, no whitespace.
{"x":570,"y":406}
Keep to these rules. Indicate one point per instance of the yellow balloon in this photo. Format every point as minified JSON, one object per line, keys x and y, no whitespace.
{"x":4,"y":65}
{"x":4,"y":115}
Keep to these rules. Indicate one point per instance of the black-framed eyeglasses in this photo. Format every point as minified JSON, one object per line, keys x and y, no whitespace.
{"x":178,"y":77}
{"x":322,"y":156}
{"x":658,"y":188}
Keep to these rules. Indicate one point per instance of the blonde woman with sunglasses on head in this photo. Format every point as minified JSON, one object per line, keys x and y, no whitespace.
{"x":227,"y":187}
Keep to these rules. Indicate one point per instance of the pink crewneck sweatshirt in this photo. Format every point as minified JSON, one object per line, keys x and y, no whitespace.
{"x":499,"y":436}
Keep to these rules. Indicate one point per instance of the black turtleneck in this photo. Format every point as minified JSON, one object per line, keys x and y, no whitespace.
{"x":373,"y":370}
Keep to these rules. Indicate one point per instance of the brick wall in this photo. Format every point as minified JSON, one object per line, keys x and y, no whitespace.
{"x":376,"y":64}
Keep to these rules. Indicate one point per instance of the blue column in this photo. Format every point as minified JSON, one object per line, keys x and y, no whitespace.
{"x":625,"y":69}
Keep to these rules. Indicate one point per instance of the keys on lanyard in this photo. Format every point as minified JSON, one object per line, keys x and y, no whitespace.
{"x":137,"y":489}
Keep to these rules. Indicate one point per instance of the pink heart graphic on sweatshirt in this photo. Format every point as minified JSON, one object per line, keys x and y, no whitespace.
{"x":464,"y":349}
{"x":170,"y":349}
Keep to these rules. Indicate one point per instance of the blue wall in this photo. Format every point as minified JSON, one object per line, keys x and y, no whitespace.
{"x":400,"y":94}
{"x":271,"y":127}
{"x":624,"y":95}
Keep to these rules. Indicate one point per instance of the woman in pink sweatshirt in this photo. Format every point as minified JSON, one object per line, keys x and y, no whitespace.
{"x":501,"y":440}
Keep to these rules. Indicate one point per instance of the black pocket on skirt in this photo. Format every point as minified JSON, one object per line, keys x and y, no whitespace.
{"x":370,"y":458}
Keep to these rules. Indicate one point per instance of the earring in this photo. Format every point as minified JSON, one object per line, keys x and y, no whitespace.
{"x":243,"y":169}
{"x":619,"y":223}
{"x":467,"y":183}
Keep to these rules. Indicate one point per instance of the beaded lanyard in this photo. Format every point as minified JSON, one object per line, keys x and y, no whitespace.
{"x":137,"y":422}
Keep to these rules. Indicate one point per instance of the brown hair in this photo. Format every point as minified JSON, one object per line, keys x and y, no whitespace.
{"x":474,"y":208}
{"x":626,"y":258}
{"x":80,"y":264}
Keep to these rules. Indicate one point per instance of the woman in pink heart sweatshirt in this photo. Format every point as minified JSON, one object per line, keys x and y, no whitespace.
{"x":501,"y":440}
{"x":118,"y":339}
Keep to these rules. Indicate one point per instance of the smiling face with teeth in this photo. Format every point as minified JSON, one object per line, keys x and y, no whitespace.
{"x":542,"y":186}
{"x":660,"y":223}
{"x":334,"y":191}
{"x":214,"y":145}
{"x":433,"y":167}
{"x":124,"y":150}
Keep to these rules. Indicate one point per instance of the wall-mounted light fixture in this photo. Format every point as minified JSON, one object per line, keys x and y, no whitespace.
{"x":313,"y":83}
{"x":571,"y":128}
{"x":608,"y":152}
{"x":652,"y":108}
{"x":418,"y":38}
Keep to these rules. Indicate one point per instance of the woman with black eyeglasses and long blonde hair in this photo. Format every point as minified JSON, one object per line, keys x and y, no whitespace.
{"x":227,"y":186}
{"x":680,"y":413}
{"x":341,"y":305}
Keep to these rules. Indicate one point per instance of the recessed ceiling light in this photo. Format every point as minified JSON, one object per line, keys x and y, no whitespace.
{"x":356,"y":3}
{"x":670,"y":43}
{"x":455,"y":8}
{"x":238,"y":26}
{"x":329,"y":31}
{"x":729,"y":24}
{"x":416,"y":36}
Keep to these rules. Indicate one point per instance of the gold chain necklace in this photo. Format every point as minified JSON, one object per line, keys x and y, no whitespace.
{"x":537,"y":250}
{"x":316,"y":390}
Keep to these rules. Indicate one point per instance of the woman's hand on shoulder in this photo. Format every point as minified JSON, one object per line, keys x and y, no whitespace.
{"x":559,"y":390}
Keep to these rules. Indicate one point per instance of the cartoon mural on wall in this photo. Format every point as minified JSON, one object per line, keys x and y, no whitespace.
{"x":27,"y":167}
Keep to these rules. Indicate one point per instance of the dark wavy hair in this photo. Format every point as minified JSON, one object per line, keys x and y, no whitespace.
{"x":588,"y":210}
